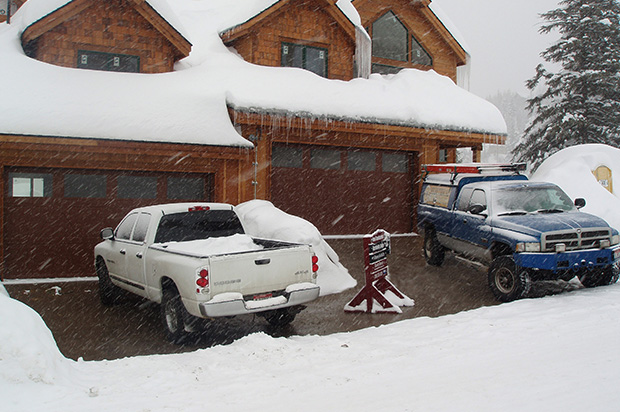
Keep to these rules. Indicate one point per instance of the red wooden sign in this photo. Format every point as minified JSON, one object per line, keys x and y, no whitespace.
{"x":376,"y":249}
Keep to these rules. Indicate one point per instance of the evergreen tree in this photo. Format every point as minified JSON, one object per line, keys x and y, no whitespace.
{"x":580,"y":101}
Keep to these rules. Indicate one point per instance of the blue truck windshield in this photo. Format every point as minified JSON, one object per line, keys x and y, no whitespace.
{"x":528,"y":199}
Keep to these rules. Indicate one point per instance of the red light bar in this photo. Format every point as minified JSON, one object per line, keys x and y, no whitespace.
{"x":198,"y":208}
{"x":474,"y":168}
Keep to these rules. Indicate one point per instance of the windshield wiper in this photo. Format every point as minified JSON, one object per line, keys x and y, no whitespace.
{"x":513,"y":213}
{"x":550,"y":211}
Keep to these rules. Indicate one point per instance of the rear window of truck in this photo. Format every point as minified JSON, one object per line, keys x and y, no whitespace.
{"x":201,"y":224}
{"x":436,"y":195}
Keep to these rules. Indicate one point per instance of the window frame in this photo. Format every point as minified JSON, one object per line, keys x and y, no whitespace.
{"x":304,"y":62}
{"x":108,"y":67}
{"x":47,"y":179}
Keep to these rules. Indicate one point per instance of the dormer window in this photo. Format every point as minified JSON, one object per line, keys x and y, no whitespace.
{"x":392,"y":41}
{"x":108,"y":61}
{"x":305,"y":57}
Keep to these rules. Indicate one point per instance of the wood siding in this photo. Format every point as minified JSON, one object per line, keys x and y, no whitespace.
{"x":112,"y":26}
{"x":302,"y":22}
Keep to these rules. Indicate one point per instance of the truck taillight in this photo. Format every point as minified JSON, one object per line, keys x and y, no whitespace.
{"x":203,"y":278}
{"x":198,"y":208}
{"x":315,"y":260}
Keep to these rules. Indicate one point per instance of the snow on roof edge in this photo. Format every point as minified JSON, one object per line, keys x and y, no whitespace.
{"x":449,"y":25}
{"x":359,"y":119}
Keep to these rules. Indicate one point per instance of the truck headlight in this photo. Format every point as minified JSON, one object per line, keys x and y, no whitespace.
{"x":528,"y":247}
{"x":615,"y":239}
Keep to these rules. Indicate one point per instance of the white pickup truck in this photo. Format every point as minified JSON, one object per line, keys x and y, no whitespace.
{"x":197,"y":262}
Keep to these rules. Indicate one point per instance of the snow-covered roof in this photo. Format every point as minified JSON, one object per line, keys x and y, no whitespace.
{"x":189,"y":105}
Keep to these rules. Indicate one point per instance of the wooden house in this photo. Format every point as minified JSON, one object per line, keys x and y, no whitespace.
{"x":62,"y":183}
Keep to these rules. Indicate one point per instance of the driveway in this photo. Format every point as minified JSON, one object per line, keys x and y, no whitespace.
{"x":84,"y":328}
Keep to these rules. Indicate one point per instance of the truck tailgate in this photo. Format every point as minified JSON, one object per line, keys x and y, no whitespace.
{"x":253,"y":273}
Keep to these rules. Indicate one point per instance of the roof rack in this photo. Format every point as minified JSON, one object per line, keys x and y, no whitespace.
{"x":476,"y":168}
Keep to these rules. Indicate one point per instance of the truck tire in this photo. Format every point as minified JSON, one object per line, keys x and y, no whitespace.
{"x":109,"y":293}
{"x":434,"y":253}
{"x":607,"y":276}
{"x":173,"y":315}
{"x":506,"y":280}
{"x":281,"y":317}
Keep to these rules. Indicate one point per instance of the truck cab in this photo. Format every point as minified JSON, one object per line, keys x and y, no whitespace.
{"x":524,"y":231}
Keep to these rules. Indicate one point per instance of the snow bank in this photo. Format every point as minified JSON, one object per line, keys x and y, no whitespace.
{"x":262,"y":219}
{"x":529,"y":355}
{"x":214,"y":246}
{"x":3,"y":290}
{"x":571,"y":169}
{"x":28,"y":351}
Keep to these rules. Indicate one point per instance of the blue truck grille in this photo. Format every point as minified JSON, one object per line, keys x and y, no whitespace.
{"x":575,"y":239}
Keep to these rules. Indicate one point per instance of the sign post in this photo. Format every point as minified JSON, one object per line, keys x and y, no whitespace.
{"x":379,"y":293}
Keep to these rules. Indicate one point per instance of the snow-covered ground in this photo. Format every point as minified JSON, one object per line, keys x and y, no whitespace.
{"x":557,"y":353}
{"x":572,"y":168}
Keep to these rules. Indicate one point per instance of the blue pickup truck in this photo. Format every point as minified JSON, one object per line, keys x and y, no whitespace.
{"x":523,"y":230}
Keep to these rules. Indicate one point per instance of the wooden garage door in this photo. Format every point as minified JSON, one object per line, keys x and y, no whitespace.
{"x":53,"y":217}
{"x":344,"y":191}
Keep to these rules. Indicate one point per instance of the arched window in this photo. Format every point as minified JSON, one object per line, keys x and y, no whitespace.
{"x":390,"y":39}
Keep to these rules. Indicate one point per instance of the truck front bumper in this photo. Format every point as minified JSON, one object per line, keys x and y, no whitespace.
{"x":575,"y":260}
{"x":231,"y":304}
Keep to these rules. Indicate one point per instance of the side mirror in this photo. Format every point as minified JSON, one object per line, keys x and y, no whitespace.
{"x":476,"y":209}
{"x":107,"y":233}
{"x":580,"y":202}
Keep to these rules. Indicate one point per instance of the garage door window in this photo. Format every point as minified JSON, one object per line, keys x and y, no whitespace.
{"x":364,"y":161}
{"x":186,"y":188}
{"x":287,"y":157}
{"x":395,"y":162}
{"x":87,"y":186}
{"x":325,"y":159}
{"x":137,"y":187}
{"x":30,"y":185}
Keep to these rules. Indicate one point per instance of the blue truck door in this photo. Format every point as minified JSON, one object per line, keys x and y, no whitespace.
{"x":471,"y":233}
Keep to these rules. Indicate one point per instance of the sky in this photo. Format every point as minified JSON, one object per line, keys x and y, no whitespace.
{"x":503,"y":40}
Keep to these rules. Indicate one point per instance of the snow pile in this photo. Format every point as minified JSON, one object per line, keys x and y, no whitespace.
{"x":28,"y":351}
{"x":3,"y":290}
{"x":533,"y":354}
{"x":213,"y":246}
{"x":262,"y":219}
{"x":572,"y":168}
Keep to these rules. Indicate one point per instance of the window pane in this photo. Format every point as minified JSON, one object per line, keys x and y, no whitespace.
{"x":419,"y":55}
{"x":365,"y":161}
{"x":37,"y":187}
{"x":383,"y":69}
{"x":186,"y":188}
{"x":137,"y":187}
{"x":325,"y":159}
{"x":287,"y":157}
{"x":30,"y":184}
{"x":90,"y":186}
{"x":123,"y":231}
{"x":395,"y":162}
{"x":21,"y":187}
{"x":389,"y":38}
{"x":292,"y":55}
{"x":139,"y":233}
{"x":316,"y":60}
